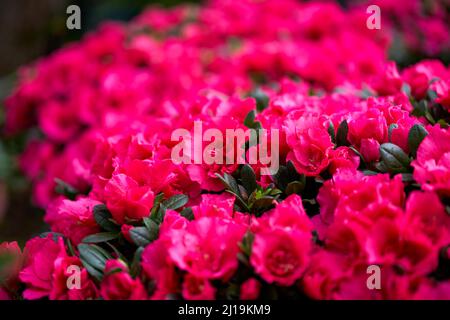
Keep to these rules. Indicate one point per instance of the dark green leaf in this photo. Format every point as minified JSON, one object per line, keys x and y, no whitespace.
{"x":187,"y":213}
{"x":331,"y":132}
{"x":341,"y":137}
{"x":248,"y":178}
{"x":104,"y":218}
{"x":415,"y":137}
{"x":159,"y":216}
{"x":395,"y":159}
{"x":101,"y":237}
{"x":175,"y":202}
{"x":262,"y":204}
{"x":281,"y":178}
{"x":136,"y":263}
{"x":93,"y":259}
{"x":152,"y":227}
{"x":295,"y":187}
{"x":65,"y":189}
{"x":262,"y":100}
{"x":142,"y":236}
{"x":432,"y":95}
{"x":250,"y":122}
{"x":156,"y":203}
{"x":407,"y":177}
{"x":406,"y":89}
{"x":247,"y":243}
{"x":420,"y":108}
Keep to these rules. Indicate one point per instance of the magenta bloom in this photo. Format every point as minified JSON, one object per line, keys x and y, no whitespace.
{"x":432,"y":166}
{"x":192,"y":249}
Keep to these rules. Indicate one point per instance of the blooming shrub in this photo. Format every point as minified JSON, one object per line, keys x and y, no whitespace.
{"x":364,"y":151}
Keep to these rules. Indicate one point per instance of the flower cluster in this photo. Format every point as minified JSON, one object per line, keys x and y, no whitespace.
{"x":364,"y":176}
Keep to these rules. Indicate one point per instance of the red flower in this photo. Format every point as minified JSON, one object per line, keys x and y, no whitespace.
{"x":119,"y":285}
{"x":281,"y":257}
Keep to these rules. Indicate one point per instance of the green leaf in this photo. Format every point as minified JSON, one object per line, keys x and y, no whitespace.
{"x":247,"y":243}
{"x":281,"y":178}
{"x":175,"y":202}
{"x":142,"y":236}
{"x":250,"y":122}
{"x":369,"y":173}
{"x":136,"y":263}
{"x":159,"y":216}
{"x":420,"y":108}
{"x":262,"y":204}
{"x":331,"y":132}
{"x":93,"y":259}
{"x":187,"y":213}
{"x":407,"y":177}
{"x":101,"y":237}
{"x":151,"y":226}
{"x":232,"y":187}
{"x":406,"y":89}
{"x":415,"y":136}
{"x":395,"y":159}
{"x":250,"y":119}
{"x":156,"y":203}
{"x":229,"y":182}
{"x":104,"y":218}
{"x":70,"y":247}
{"x":248,"y":178}
{"x":295,"y":187}
{"x":432,"y":95}
{"x":65,"y":189}
{"x":262,"y":100}
{"x":341,"y":137}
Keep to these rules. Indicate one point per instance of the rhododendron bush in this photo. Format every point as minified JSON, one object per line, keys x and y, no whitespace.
{"x":364,"y":153}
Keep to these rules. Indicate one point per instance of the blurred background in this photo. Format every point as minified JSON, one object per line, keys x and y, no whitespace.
{"x":31,"y":29}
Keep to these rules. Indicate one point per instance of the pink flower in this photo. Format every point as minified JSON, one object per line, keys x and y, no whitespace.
{"x":389,"y":82}
{"x":192,"y":249}
{"x":64,"y":271}
{"x":419,"y":76}
{"x":197,"y":288}
{"x":343,"y":157}
{"x":367,"y":125}
{"x":279,"y":256}
{"x":425,"y":216}
{"x":442,"y":88}
{"x":212,"y":205}
{"x":46,"y":272}
{"x":127,"y":200}
{"x":432,"y":166}
{"x":57,"y":121}
{"x":158,"y":266}
{"x":310,"y":143}
{"x":73,"y":219}
{"x":117,"y":284}
{"x":370,"y":150}
{"x":250,"y":289}
{"x":288,"y":215}
{"x":39,"y":267}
